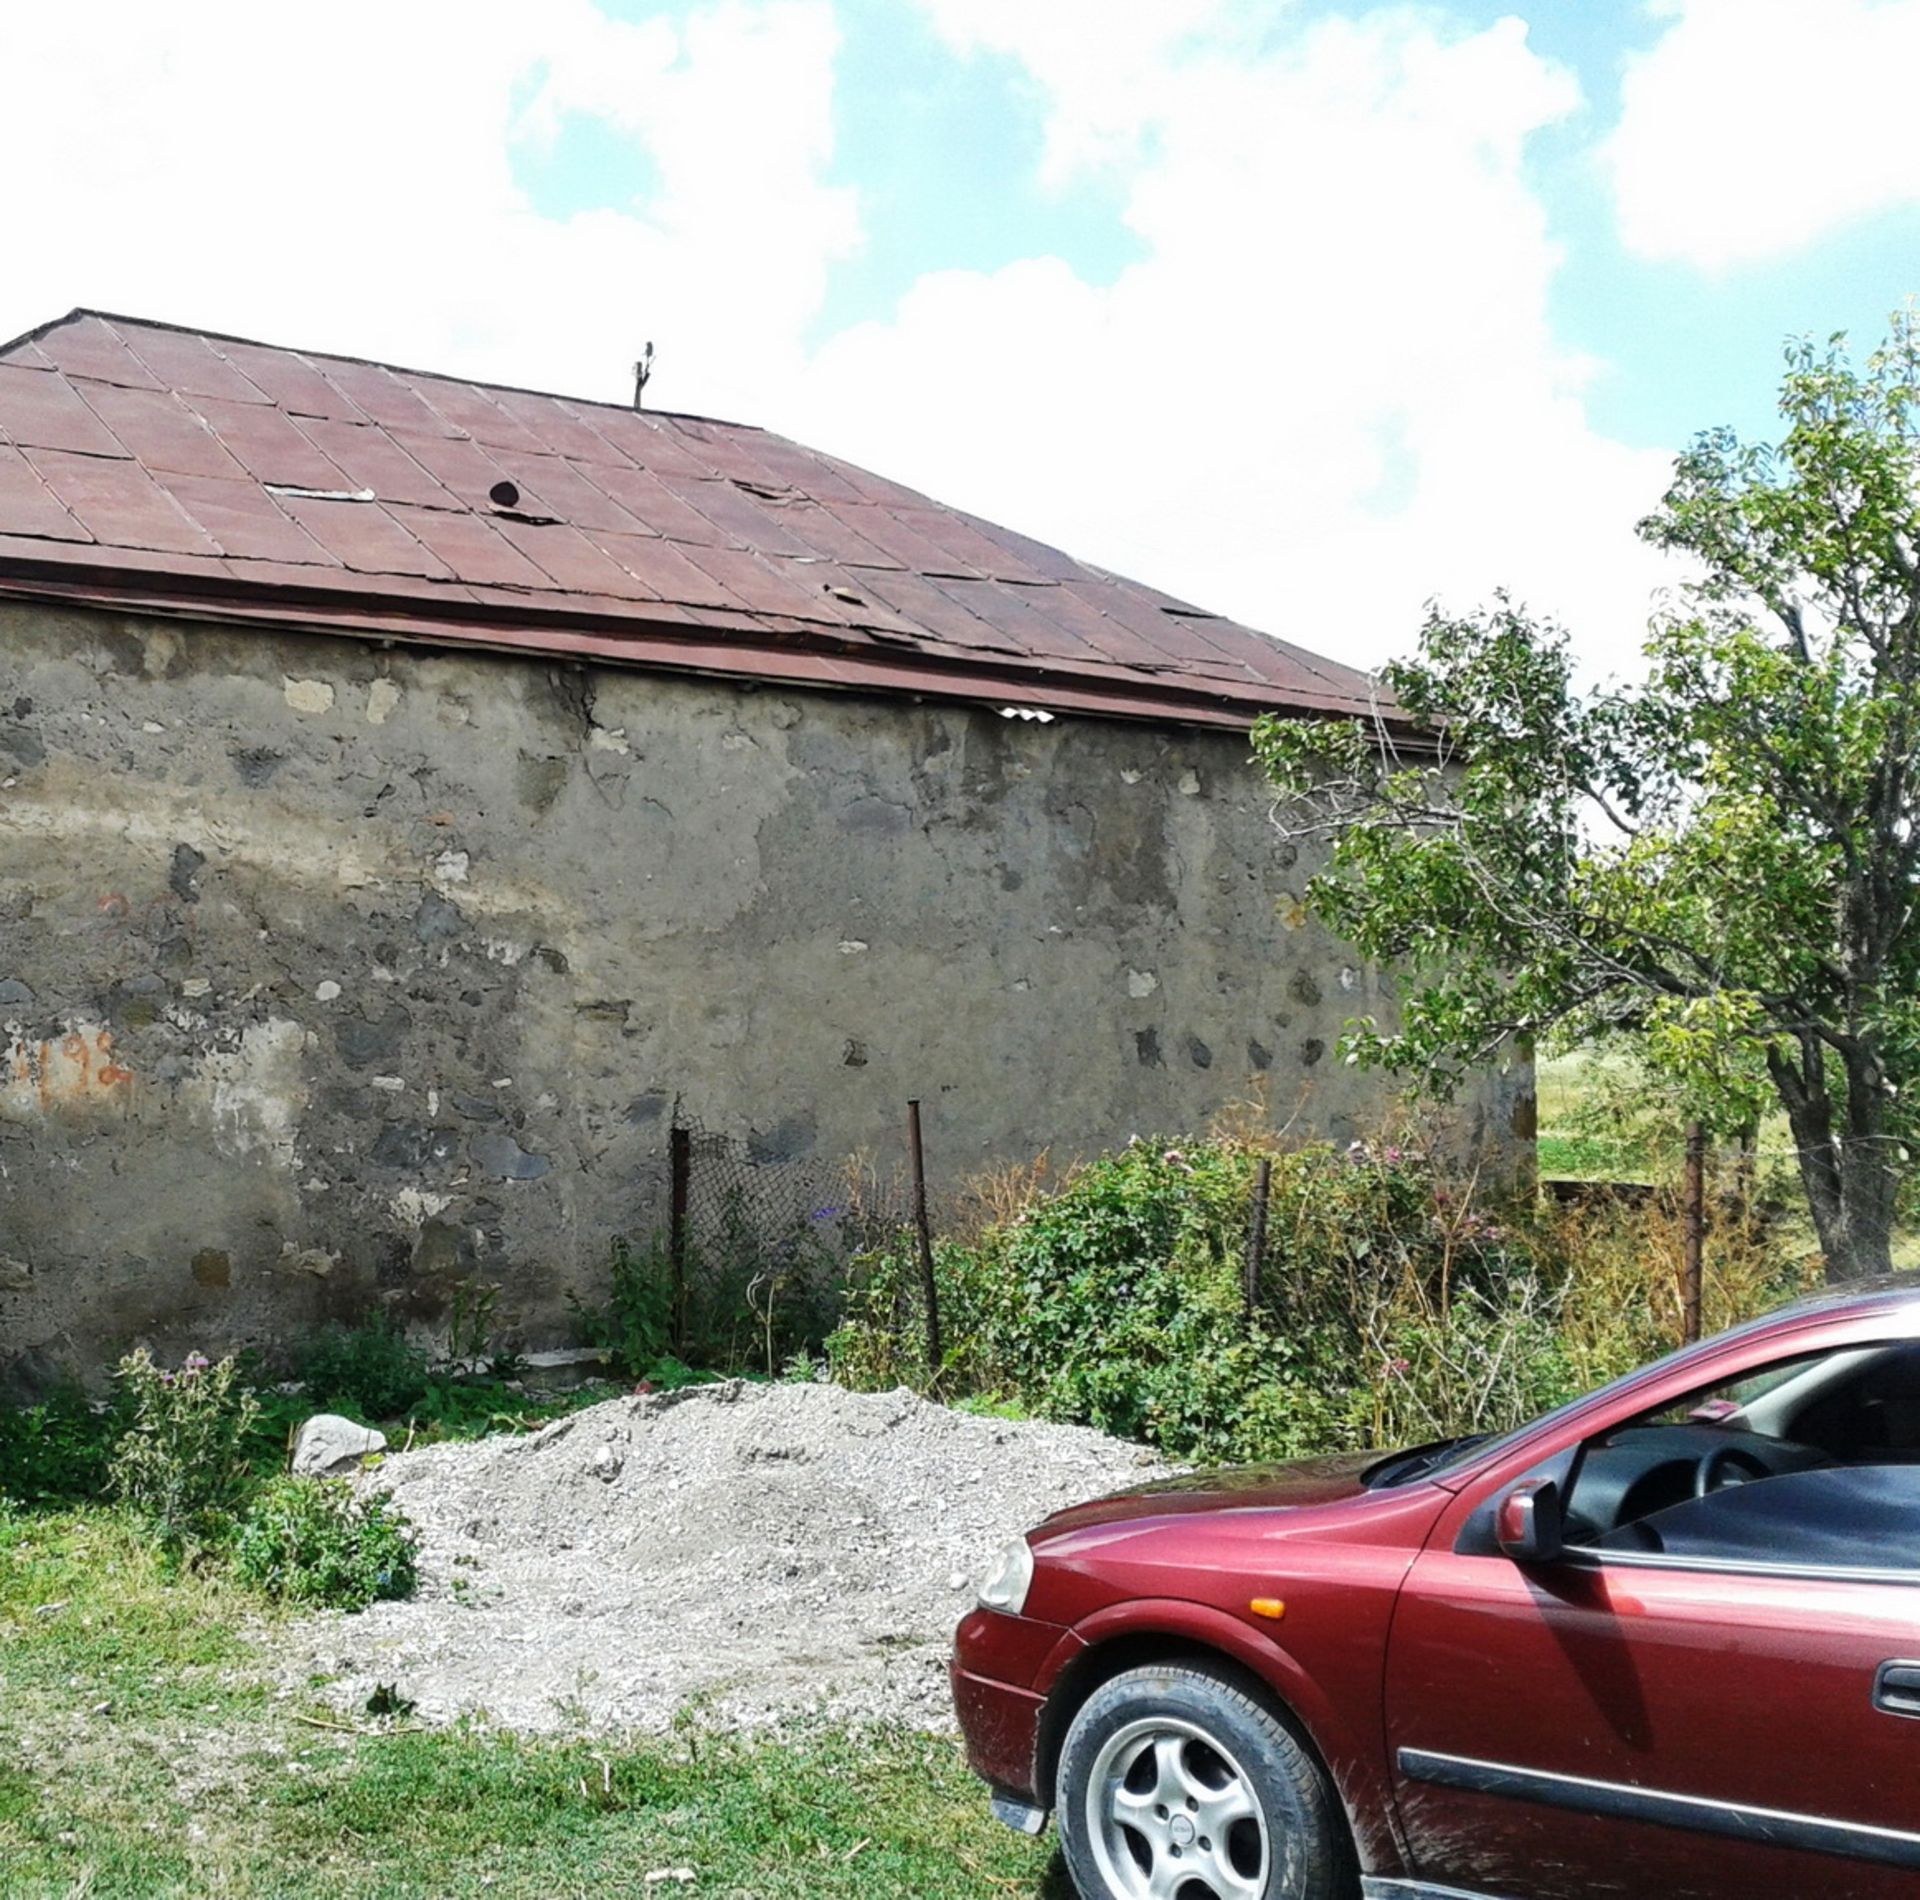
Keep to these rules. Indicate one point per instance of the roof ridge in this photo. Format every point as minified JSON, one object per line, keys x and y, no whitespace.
{"x":371,"y":362}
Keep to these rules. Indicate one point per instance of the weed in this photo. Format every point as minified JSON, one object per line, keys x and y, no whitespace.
{"x":58,"y":1451}
{"x":373,"y":1368}
{"x":312,"y":1541}
{"x":181,"y":1465}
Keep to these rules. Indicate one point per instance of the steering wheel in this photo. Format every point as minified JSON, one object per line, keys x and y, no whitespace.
{"x":1707,"y":1476}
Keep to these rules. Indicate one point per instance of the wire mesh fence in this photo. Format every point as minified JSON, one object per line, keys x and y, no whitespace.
{"x":757,"y":1250}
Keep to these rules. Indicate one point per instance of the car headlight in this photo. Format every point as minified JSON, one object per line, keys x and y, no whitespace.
{"x":1008,"y":1579}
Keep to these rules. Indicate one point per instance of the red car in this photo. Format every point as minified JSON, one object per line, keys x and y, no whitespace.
{"x":1662,"y":1642}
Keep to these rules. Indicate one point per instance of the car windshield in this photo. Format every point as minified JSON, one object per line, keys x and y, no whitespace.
{"x":1453,"y":1454}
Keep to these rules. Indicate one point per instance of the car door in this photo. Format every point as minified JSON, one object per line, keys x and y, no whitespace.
{"x":1736,"y":1715}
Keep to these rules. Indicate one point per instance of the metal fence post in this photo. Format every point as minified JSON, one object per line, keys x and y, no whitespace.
{"x":1257,"y":1233}
{"x":1696,"y":1218}
{"x":679,"y":1180}
{"x":923,"y":1230}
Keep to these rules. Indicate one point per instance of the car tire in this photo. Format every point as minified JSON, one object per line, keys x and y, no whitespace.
{"x":1176,"y":1784}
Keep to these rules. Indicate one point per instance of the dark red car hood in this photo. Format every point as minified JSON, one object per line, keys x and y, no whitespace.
{"x":1239,"y":1488}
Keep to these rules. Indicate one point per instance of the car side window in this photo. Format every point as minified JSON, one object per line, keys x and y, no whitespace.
{"x":1811,"y":1462}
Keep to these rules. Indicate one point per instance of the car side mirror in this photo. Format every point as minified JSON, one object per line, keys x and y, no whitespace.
{"x":1530,"y":1522}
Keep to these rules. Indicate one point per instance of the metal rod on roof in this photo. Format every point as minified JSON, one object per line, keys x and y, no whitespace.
{"x":642,"y":376}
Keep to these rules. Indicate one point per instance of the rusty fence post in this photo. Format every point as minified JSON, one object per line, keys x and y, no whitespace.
{"x":1257,"y":1232}
{"x":923,"y":1231}
{"x":1695,"y":1193}
{"x":679,"y":1184}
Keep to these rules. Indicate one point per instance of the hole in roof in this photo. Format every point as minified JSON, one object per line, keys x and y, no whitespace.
{"x":504,"y":495}
{"x":764,"y":491}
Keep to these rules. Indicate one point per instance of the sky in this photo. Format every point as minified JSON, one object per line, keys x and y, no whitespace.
{"x":1309,"y":311}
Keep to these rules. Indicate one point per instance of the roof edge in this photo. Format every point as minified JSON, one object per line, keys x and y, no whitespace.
{"x":750,"y":654}
{"x":204,"y":335}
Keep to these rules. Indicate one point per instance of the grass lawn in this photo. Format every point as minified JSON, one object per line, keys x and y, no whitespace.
{"x":142,"y":1754}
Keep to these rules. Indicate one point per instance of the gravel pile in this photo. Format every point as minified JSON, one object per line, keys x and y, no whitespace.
{"x":762,"y":1551}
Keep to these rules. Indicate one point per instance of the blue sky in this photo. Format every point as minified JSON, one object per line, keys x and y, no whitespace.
{"x":1311,"y":310}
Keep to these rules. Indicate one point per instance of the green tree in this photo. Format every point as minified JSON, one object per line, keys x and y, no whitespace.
{"x":1720,"y":862}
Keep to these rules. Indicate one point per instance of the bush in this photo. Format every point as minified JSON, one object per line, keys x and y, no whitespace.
{"x":58,"y":1451}
{"x":1393,"y":1305}
{"x":182,"y":1464}
{"x":372,"y":1368}
{"x":1398,"y":1304}
{"x":311,"y":1541}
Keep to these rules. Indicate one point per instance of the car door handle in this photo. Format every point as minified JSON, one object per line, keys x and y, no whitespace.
{"x":1896,"y":1688}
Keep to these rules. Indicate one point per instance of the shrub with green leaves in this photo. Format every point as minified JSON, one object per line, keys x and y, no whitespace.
{"x":181,"y":1465}
{"x":372,"y":1368}
{"x":314,"y":1542}
{"x":1394,"y":1306}
{"x":57,"y":1451}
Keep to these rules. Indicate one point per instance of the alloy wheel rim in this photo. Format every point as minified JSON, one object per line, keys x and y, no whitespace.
{"x":1172,"y":1815}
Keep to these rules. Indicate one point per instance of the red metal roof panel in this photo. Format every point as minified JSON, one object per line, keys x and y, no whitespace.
{"x":189,"y":365}
{"x":652,"y":443}
{"x":471,"y":411}
{"x":656,"y":508}
{"x":244,"y":521}
{"x":268,"y":444}
{"x":371,"y":458}
{"x":29,"y":507}
{"x":365,"y":537}
{"x":42,"y":411}
{"x":384,"y":398}
{"x":92,"y":348}
{"x":574,"y":564}
{"x":160,"y":432}
{"x":120,"y":503}
{"x":473,"y":548}
{"x":666,"y":570}
{"x":288,"y":379}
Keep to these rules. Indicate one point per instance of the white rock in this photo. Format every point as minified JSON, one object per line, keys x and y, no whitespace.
{"x":327,"y":1444}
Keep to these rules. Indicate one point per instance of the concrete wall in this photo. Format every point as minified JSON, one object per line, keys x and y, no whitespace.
{"x":332,"y":973}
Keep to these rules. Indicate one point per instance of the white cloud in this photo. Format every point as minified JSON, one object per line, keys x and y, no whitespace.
{"x":1753,"y":127}
{"x":1329,"y":390}
{"x":344,"y":179}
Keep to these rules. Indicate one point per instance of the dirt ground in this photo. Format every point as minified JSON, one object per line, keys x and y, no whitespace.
{"x":754,"y":1552}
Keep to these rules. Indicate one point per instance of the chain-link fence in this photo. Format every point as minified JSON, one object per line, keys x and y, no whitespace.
{"x":757,"y":1250}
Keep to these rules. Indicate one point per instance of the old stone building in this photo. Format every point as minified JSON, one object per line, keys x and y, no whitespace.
{"x":413,"y":794}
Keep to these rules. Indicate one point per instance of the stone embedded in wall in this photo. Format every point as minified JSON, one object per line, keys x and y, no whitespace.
{"x":496,"y":1153}
{"x":309,"y":696}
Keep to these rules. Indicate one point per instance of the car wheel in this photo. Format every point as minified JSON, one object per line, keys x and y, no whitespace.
{"x":1175,"y":1784}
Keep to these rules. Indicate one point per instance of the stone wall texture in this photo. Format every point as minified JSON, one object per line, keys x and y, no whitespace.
{"x":334,"y":973}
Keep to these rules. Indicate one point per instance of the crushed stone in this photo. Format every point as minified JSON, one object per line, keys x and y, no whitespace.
{"x":756,"y":1553}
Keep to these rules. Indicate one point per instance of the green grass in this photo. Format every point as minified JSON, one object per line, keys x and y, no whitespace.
{"x":142,"y":1754}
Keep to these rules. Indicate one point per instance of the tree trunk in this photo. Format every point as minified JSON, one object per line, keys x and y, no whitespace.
{"x":1850,"y":1173}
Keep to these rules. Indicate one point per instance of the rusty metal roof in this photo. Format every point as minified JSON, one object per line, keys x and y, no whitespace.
{"x":176,"y":471}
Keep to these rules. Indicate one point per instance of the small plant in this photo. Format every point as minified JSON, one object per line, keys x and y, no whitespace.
{"x":472,"y":1318}
{"x":312,"y":1541}
{"x":635,"y":1327}
{"x":57,"y":1452}
{"x":181,"y":1464}
{"x":372,"y":1367}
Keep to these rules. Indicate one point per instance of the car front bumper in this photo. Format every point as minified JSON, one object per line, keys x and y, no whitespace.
{"x":996,"y":1660}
